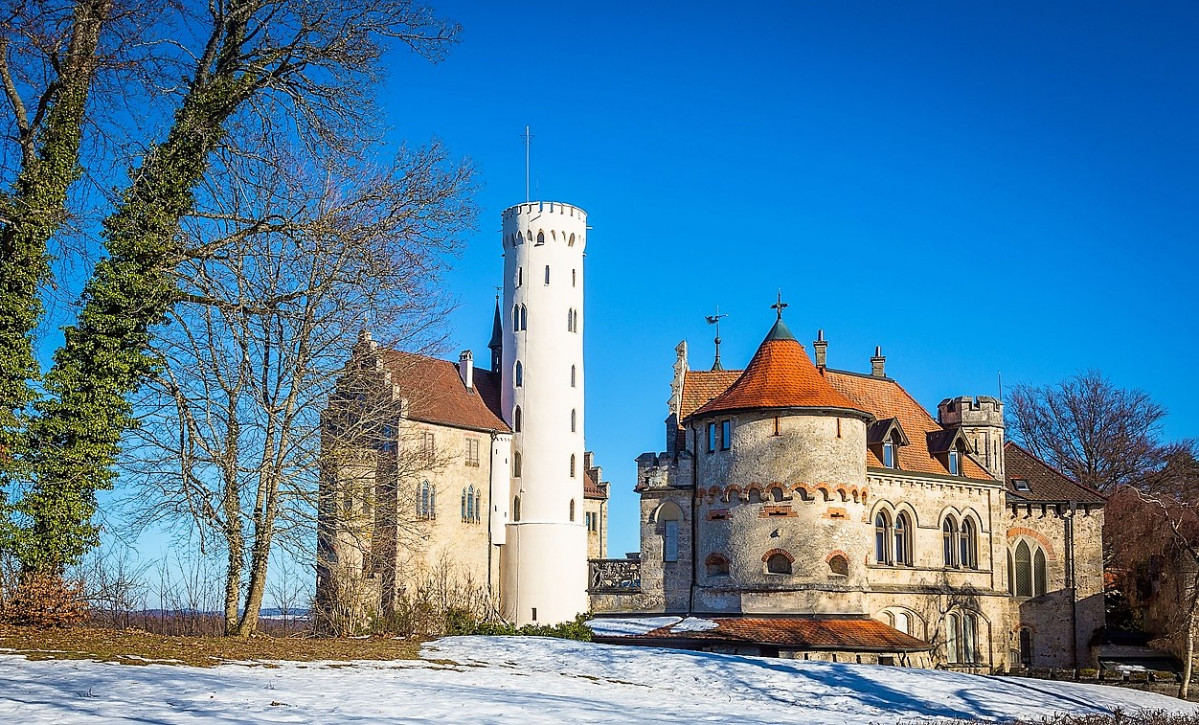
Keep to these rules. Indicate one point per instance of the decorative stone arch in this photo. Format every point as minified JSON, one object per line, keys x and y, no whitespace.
{"x":982,"y":635}
{"x":881,"y":505}
{"x":730,"y":490}
{"x":947,"y":511}
{"x":713,"y":493}
{"x":824,"y":490}
{"x":910,"y":510}
{"x":773,"y":558}
{"x":842,"y":491}
{"x":1016,"y":532}
{"x":916,"y":623}
{"x":782,"y":492}
{"x":667,"y":511}
{"x":540,"y":238}
{"x":716,"y":564}
{"x":783,"y":552}
{"x":802,"y":490}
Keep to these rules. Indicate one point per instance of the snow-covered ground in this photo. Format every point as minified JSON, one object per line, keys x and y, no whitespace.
{"x":533,"y":680}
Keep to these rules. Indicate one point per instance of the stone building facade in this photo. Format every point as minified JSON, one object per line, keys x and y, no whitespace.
{"x":790,"y":491}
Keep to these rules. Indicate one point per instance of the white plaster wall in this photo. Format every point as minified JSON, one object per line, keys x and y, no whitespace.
{"x":501,"y":483}
{"x":547,"y":551}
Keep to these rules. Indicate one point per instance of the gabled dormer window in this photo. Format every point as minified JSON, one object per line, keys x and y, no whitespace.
{"x":955,"y":463}
{"x":889,"y":454}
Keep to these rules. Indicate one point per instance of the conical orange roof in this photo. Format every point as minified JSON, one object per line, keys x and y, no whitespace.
{"x":780,"y":375}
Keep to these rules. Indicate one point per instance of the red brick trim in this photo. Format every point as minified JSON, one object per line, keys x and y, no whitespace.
{"x":1036,"y":536}
{"x":772,"y":552}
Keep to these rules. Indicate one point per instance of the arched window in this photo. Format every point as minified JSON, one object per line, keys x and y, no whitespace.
{"x":471,"y":513}
{"x":570,"y":320}
{"x":572,"y":465}
{"x":516,"y":464}
{"x":1026,"y":646}
{"x":755,"y":496}
{"x":464,"y":505}
{"x":520,"y":238}
{"x":882,"y":534}
{"x":576,"y":320}
{"x":516,"y":318}
{"x":969,"y":653}
{"x":1023,"y":559}
{"x":571,"y":241}
{"x":839,"y":565}
{"x":1038,"y":573}
{"x":426,"y":504}
{"x":520,"y":276}
{"x":572,"y":376}
{"x":540,"y":238}
{"x":547,"y":274}
{"x":778,"y":564}
{"x":951,"y":638}
{"x":949,"y":541}
{"x":902,"y":622}
{"x":524,"y":317}
{"x":478,"y":506}
{"x":516,"y":508}
{"x":968,"y":545}
{"x":669,"y":516}
{"x":574,"y":278}
{"x":776,"y":494}
{"x":516,"y":420}
{"x":520,"y":374}
{"x":574,"y":415}
{"x":1011,"y":574}
{"x":716,"y":565}
{"x":903,"y":540}
{"x":572,"y":509}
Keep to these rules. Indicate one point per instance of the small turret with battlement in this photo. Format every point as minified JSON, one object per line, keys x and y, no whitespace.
{"x":981,"y":420}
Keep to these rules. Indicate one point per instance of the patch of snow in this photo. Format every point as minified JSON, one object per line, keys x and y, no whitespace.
{"x":535,"y":680}
{"x":629,"y":626}
{"x":694,"y":624}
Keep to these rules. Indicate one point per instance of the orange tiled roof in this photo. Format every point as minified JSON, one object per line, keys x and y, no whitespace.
{"x":1045,"y":483}
{"x":882,"y":397}
{"x":861,"y":635}
{"x":436,"y":394}
{"x":780,"y":375}
{"x":886,"y":398}
{"x":700,"y":386}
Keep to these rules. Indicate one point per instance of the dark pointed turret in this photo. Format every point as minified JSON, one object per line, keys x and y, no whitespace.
{"x":497,"y":339}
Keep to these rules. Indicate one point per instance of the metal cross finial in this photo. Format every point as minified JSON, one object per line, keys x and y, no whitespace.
{"x":498,"y":290}
{"x":528,"y":139}
{"x":715,"y":320}
{"x":780,"y":305}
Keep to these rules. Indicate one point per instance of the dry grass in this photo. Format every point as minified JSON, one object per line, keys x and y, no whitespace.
{"x":136,"y":647}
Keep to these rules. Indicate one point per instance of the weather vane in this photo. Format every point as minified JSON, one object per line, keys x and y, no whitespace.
{"x":780,"y":305}
{"x":715,"y":320}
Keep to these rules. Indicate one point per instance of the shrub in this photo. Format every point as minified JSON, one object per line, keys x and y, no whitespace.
{"x":46,"y":600}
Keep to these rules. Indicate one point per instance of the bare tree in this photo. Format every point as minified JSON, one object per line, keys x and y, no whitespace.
{"x":1099,"y":435}
{"x":281,"y":272}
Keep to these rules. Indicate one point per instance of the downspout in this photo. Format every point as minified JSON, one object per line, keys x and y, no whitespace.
{"x":490,"y":517}
{"x":1072,"y":584}
{"x":694,"y":522}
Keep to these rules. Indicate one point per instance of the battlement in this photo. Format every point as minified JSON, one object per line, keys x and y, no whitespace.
{"x":965,"y":410}
{"x":544,"y":207}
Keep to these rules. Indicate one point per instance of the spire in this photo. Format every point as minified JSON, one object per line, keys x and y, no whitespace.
{"x":497,"y":339}
{"x":715,"y":320}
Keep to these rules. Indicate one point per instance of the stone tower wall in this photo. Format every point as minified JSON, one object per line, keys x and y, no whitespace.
{"x":545,"y":554}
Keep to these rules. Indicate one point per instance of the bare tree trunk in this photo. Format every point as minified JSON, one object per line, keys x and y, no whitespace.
{"x":1188,"y":660}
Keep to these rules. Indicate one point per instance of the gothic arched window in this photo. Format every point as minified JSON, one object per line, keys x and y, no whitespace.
{"x":524,"y":317}
{"x":903,"y":540}
{"x":572,"y":376}
{"x":516,"y":420}
{"x":1023,"y":558}
{"x":520,"y":374}
{"x":572,"y":465}
{"x":516,"y":464}
{"x":968,"y":545}
{"x":949,"y":541}
{"x":882,"y":534}
{"x":547,"y":274}
{"x":572,"y":509}
{"x":573,"y":420}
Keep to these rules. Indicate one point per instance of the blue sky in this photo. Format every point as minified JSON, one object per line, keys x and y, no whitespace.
{"x":979,"y":189}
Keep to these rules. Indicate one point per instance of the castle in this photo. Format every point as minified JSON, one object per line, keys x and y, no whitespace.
{"x":804,"y":511}
{"x":824,"y":514}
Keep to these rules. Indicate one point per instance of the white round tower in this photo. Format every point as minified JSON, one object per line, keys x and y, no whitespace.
{"x":544,"y":563}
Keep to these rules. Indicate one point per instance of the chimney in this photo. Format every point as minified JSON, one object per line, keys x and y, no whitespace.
{"x":878,"y":363}
{"x":820,"y":346}
{"x":466,"y":369}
